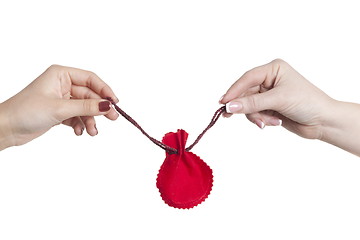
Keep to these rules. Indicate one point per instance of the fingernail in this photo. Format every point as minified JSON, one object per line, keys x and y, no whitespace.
{"x":81,"y":131}
{"x":233,"y":107}
{"x":96,"y":133}
{"x":104,"y":106}
{"x":275,"y":122}
{"x":260,"y":124}
{"x":222,"y":97}
{"x":116,"y":100}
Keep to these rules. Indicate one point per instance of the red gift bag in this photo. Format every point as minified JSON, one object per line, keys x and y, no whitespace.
{"x":184,"y":180}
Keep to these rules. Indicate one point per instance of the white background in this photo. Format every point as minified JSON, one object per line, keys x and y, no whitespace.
{"x":169,"y":62}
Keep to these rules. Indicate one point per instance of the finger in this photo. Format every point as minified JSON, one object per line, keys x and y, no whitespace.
{"x":263,"y":119}
{"x":80,"y":107}
{"x":255,"y":103}
{"x":92,"y":81}
{"x":81,"y":92}
{"x":76,"y":123}
{"x":272,"y":118}
{"x":112,"y":115}
{"x":252,"y":90}
{"x":265,"y":75}
{"x":227,"y":115}
{"x":256,"y":119}
{"x":90,"y":125}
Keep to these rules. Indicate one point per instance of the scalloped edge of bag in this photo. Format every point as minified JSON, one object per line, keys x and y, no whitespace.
{"x":191,"y":204}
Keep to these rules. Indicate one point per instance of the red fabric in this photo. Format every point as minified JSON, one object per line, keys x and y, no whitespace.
{"x":184,"y":180}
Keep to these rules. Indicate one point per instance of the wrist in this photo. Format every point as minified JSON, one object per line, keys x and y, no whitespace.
{"x":332,"y":124}
{"x":341,"y":126}
{"x":6,"y":138}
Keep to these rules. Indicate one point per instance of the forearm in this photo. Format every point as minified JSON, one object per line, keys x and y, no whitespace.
{"x":342,"y":127}
{"x":6,"y":138}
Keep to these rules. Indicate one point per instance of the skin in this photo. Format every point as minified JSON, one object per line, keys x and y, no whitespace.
{"x":270,"y":95}
{"x":61,"y":95}
{"x":276,"y":94}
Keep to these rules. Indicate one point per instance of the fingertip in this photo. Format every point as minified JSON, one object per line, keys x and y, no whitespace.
{"x":90,"y":125}
{"x":274,"y":122}
{"x":224,"y":99}
{"x":92,"y":131}
{"x":112,"y":115}
{"x":78,"y":131}
{"x":116,"y":117}
{"x":234,"y":107}
{"x":113,"y":99}
{"x":259,"y":123}
{"x":228,"y":97}
{"x":227,"y":115}
{"x":220,"y":100}
{"x":78,"y":128}
{"x":227,"y":107}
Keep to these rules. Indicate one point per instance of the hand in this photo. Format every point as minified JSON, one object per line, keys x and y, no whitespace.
{"x":60,"y":95}
{"x":275,"y":94}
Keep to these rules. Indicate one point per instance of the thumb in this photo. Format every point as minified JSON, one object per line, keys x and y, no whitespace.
{"x":82,"y":107}
{"x":253,"y":103}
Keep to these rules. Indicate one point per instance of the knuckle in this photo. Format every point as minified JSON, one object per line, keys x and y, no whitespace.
{"x":88,"y":95}
{"x":90,"y":77}
{"x":57,"y":70}
{"x":58,"y":110}
{"x":89,"y":107}
{"x":104,"y":90}
{"x":251,"y":73}
{"x":278,"y":61}
{"x":91,"y":74}
{"x":253,"y":104}
{"x":54,"y":67}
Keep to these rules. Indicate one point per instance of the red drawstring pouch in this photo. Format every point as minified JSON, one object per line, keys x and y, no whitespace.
{"x":184,"y":180}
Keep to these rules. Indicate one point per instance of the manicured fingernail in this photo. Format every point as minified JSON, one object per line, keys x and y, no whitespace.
{"x":233,"y":107}
{"x":275,"y":122}
{"x":104,"y":106}
{"x":260,"y":124}
{"x":222,"y":97}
